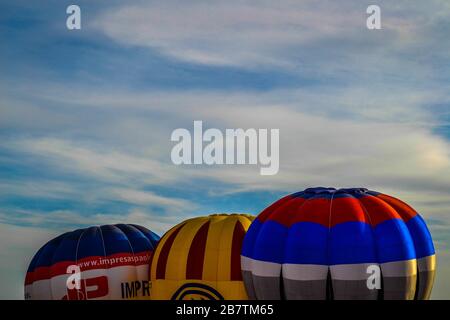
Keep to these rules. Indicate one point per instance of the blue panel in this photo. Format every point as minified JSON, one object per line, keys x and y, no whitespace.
{"x":90,"y":244}
{"x":307,"y":244}
{"x":115,"y":240}
{"x":35,"y":259}
{"x":67,"y":249}
{"x":139,"y":242}
{"x":351,"y":242}
{"x":422,"y":240}
{"x":46,"y":256}
{"x":394,"y":242}
{"x":248,"y":244}
{"x":299,"y":194}
{"x":151,"y":236}
{"x":269,"y":245}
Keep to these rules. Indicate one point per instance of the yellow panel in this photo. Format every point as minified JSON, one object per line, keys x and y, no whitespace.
{"x":215,"y":234}
{"x":224,"y":263}
{"x":430,"y":263}
{"x":246,"y":220}
{"x":427,"y":268}
{"x":232,"y":290}
{"x":166,"y":289}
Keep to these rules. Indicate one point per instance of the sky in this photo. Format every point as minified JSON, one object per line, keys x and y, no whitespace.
{"x":86,"y":115}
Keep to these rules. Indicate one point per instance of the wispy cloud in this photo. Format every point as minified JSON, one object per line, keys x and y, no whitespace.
{"x":108,"y":164}
{"x":234,"y":33}
{"x":66,"y":220}
{"x":149,"y":198}
{"x":18,"y":246}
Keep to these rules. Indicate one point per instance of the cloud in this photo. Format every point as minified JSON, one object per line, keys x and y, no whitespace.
{"x":264,"y":33}
{"x":108,"y":164}
{"x":37,"y":189}
{"x":147,"y":198}
{"x":326,"y":138}
{"x":64,"y":220}
{"x":398,"y":156}
{"x":19,"y":244}
{"x":442,"y":281}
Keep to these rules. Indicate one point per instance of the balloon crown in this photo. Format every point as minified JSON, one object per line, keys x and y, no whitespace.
{"x":330,"y":192}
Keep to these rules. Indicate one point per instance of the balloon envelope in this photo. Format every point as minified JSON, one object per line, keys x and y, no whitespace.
{"x":112,"y":260}
{"x":200,"y":259}
{"x":338,"y":244}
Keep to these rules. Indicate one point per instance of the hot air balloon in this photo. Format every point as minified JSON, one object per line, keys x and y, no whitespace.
{"x":323,"y":243}
{"x":111,"y":262}
{"x":199,"y":259}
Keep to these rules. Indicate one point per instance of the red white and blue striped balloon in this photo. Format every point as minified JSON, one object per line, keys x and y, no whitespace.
{"x":113,"y":260}
{"x":319,"y":244}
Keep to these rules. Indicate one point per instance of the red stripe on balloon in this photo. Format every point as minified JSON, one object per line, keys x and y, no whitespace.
{"x":236,"y":245}
{"x":196,"y":255}
{"x":164,"y":254}
{"x":316,"y":210}
{"x":264,"y":215}
{"x":378,"y":210}
{"x":89,"y":263}
{"x":347,"y":209}
{"x":404,"y":210}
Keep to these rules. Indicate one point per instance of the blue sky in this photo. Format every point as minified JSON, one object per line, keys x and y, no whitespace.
{"x":86,"y":115}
